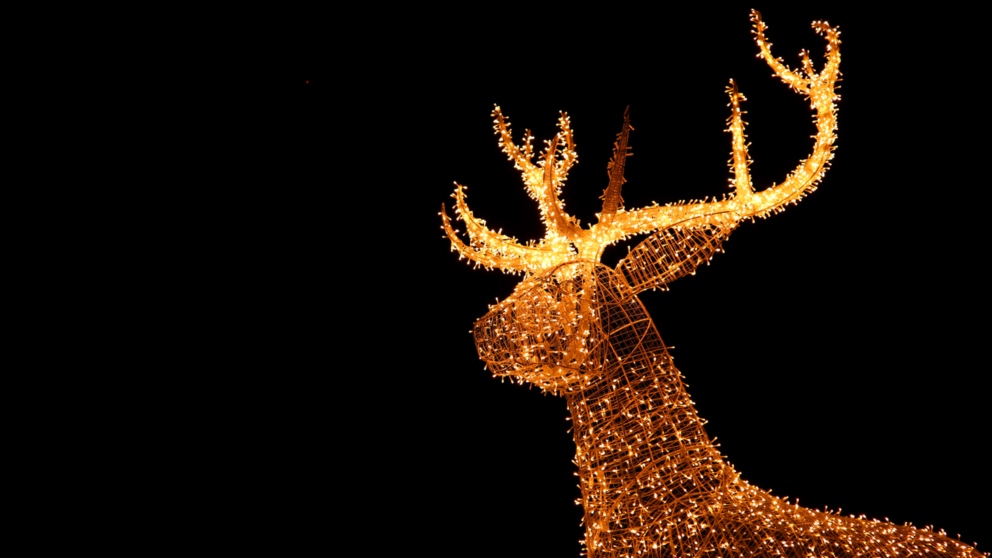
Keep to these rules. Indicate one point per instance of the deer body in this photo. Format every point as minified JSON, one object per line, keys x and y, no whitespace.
{"x":652,"y":482}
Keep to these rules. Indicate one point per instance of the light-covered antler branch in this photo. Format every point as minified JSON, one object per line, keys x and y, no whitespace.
{"x":745,"y":203}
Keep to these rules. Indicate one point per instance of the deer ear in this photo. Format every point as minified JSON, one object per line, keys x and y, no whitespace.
{"x":669,"y":254}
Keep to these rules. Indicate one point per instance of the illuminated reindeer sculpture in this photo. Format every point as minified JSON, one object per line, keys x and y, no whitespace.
{"x":652,"y":482}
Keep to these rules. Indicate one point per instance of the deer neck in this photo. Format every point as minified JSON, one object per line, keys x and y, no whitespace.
{"x":641,"y":449}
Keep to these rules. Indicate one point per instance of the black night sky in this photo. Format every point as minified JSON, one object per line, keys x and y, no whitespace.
{"x":836,"y":349}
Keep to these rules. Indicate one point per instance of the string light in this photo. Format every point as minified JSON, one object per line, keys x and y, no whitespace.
{"x":652,"y":482}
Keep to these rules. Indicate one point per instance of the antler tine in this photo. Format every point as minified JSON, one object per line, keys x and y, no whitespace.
{"x":521,"y":156}
{"x":488,"y":248}
{"x":552,"y":211}
{"x":482,"y":256}
{"x":611,"y":196}
{"x":741,"y":160}
{"x":569,"y":156}
{"x":790,"y":77}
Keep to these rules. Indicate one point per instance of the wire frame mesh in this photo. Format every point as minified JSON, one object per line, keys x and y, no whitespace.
{"x":652,"y":482}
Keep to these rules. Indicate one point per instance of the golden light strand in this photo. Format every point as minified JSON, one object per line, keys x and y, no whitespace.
{"x":652,"y":482}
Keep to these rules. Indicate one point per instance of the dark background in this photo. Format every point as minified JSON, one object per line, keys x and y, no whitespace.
{"x":838,"y":350}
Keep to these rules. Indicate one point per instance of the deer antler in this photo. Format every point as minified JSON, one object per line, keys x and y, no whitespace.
{"x":611,"y":196}
{"x":745,"y":203}
{"x":543,"y":182}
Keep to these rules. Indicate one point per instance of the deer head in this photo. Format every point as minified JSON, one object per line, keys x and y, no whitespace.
{"x":548,"y":332}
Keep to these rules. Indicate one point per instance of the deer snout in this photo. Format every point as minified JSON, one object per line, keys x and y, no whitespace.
{"x":545,"y":333}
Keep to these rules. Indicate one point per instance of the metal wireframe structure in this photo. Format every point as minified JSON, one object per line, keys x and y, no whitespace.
{"x":652,"y":481}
